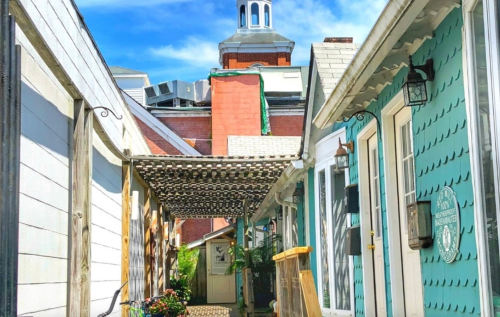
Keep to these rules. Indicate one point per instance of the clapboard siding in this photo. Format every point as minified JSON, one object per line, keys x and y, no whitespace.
{"x":44,"y":182}
{"x":106,"y":237}
{"x":75,"y":51}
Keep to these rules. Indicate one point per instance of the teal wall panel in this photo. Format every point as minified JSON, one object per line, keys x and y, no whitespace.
{"x":312,"y":223}
{"x":301,"y":220}
{"x":441,"y":159}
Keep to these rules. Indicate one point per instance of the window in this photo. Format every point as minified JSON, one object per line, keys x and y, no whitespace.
{"x":267,"y":18}
{"x":335,"y":275}
{"x":485,"y":146}
{"x":243,"y":16}
{"x":255,"y":14}
{"x":483,"y":67}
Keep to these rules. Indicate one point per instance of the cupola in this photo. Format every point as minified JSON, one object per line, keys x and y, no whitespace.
{"x":254,"y":15}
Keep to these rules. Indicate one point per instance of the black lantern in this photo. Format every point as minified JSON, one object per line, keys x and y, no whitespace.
{"x":297,"y":195}
{"x":280,"y":213}
{"x":414,"y":89}
{"x":342,"y":157}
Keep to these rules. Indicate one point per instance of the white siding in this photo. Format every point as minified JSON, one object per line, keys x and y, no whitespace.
{"x":44,"y":200}
{"x":106,"y":235}
{"x":134,"y":87}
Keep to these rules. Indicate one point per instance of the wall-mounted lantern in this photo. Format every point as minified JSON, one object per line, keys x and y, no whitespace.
{"x":280,"y":213}
{"x":297,"y":195}
{"x":342,"y":157}
{"x":271,"y":225}
{"x":414,"y":89}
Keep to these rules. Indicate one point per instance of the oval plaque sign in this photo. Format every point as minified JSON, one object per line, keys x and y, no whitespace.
{"x":447,"y":225}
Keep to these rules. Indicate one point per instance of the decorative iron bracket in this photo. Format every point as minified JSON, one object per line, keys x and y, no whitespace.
{"x":360,"y":116}
{"x":105,"y":112}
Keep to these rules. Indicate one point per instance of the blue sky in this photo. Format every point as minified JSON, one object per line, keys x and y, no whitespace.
{"x":178,"y":39}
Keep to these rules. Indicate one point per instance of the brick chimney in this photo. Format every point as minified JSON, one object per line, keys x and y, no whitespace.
{"x":338,"y":40}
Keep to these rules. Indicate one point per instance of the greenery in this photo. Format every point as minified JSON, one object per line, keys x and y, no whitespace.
{"x":242,"y":307}
{"x":260,"y":261}
{"x":187,"y":260}
{"x":168,"y":306}
{"x":181,"y":287}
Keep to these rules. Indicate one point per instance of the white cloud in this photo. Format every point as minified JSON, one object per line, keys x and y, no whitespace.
{"x":124,"y":3}
{"x":310,"y":21}
{"x":193,"y":51}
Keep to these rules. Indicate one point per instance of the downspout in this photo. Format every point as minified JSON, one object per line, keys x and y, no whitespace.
{"x":282,"y":202}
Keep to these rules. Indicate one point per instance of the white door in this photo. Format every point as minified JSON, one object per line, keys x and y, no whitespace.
{"x":376,"y":222}
{"x":412,"y":274}
{"x":221,"y":288}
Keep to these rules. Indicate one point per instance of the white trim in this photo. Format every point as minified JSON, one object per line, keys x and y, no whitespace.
{"x":473,"y":135}
{"x":310,"y":106}
{"x":158,"y":127}
{"x":364,"y":220}
{"x":180,"y":114}
{"x":392,"y":203}
{"x":325,"y":162}
{"x":286,"y":112}
{"x":306,"y":209}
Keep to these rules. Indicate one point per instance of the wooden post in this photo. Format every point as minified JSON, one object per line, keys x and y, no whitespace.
{"x":161,"y":260}
{"x":147,"y":243}
{"x":81,"y":220}
{"x":126,"y":169}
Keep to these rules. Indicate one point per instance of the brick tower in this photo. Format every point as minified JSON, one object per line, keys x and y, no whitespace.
{"x":255,"y":42}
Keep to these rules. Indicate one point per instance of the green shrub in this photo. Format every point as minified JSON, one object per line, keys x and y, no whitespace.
{"x":181,"y":287}
{"x":187,"y":260}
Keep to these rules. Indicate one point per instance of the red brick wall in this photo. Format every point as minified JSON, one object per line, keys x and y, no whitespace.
{"x":195,"y":130}
{"x":235,"y":109}
{"x":244,"y":60}
{"x":157,"y":144}
{"x":194,"y":229}
{"x":287,"y":125}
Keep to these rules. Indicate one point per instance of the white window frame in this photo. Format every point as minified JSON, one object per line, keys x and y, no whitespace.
{"x":490,"y":9}
{"x":325,"y":152}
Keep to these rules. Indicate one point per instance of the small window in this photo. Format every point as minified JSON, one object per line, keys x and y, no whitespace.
{"x":243,"y":16}
{"x":267,"y":18}
{"x":255,"y":14}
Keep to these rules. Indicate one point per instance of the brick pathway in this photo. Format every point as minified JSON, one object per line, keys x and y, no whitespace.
{"x":211,"y":311}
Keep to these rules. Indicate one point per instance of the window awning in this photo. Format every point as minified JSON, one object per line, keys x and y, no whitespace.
{"x":210,"y":186}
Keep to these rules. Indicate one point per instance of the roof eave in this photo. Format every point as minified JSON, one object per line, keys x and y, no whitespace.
{"x":397,"y":16}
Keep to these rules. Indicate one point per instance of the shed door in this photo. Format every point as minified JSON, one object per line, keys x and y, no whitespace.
{"x":221,"y":288}
{"x":412,"y":275}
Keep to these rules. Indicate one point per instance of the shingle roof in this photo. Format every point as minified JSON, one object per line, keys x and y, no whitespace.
{"x":118,"y":70}
{"x":263,"y":145}
{"x":256,"y":38}
{"x":332,"y":60}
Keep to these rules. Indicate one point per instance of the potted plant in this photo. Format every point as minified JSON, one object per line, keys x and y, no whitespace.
{"x":168,"y":306}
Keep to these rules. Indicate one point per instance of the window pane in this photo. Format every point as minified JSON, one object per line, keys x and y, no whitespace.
{"x":243,"y":18}
{"x":489,"y":191}
{"x":255,"y":14}
{"x":341,"y":259}
{"x":266,"y":15}
{"x":324,"y":240}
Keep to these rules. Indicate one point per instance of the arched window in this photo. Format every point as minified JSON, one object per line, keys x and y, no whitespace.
{"x":267,"y":18}
{"x":255,"y":14}
{"x":243,"y":16}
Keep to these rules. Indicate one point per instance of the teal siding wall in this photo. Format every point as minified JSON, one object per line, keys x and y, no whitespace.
{"x":301,"y":220}
{"x":312,"y":223}
{"x":441,"y":159}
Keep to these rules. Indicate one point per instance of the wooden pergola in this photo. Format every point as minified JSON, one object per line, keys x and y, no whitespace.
{"x":211,"y":186}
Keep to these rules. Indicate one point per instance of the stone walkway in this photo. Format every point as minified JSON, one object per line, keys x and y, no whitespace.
{"x":213,"y":311}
